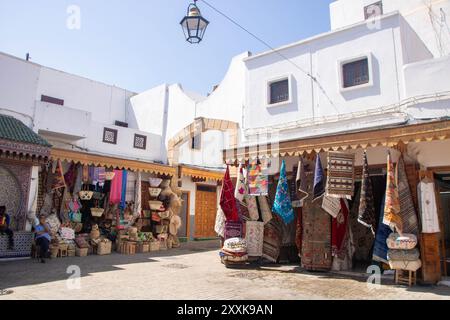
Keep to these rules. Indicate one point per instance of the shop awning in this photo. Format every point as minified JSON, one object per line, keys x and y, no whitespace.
{"x":201,"y":173}
{"x":387,"y":137}
{"x":111,"y":162}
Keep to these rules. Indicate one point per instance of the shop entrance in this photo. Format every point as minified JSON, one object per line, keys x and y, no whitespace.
{"x":205,"y":211}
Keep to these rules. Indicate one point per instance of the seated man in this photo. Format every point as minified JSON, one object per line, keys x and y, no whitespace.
{"x":4,"y":227}
{"x":43,"y":237}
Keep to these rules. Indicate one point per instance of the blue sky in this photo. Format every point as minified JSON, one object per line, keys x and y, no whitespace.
{"x":138,"y":44}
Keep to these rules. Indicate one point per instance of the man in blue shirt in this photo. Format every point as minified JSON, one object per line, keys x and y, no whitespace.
{"x":43,"y":237}
{"x":4,"y":227}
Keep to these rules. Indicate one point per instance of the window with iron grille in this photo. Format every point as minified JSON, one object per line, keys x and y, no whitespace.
{"x":279,"y":91}
{"x":140,"y":141}
{"x":110,"y":136}
{"x":373,"y":10}
{"x":356,"y":73}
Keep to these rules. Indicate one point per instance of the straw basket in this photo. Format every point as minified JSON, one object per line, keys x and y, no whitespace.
{"x":97,"y":212}
{"x":164,"y":215}
{"x":155,"y":182}
{"x":54,"y":251}
{"x":154,"y":192}
{"x":104,"y":248}
{"x":110,"y":175}
{"x":156,"y":205}
{"x":85,"y":195}
{"x":154,"y":246}
{"x":81,"y":252}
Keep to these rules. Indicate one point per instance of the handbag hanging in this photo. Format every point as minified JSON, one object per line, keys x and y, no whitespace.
{"x":85,"y":194}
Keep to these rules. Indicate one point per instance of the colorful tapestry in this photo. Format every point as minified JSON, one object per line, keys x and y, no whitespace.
{"x":341,"y":175}
{"x":243,"y":212}
{"x":116,"y":188}
{"x":58,"y":178}
{"x":254,"y":235}
{"x":319,"y":180}
{"x":233,"y":229}
{"x":408,"y":212}
{"x":392,"y":203}
{"x":227,"y":199}
{"x":272,"y":241}
{"x":252,"y":207}
{"x":241,"y":185}
{"x":258,"y":182}
{"x":331,"y":205}
{"x":266,"y":213}
{"x":300,"y":180}
{"x":316,"y":240}
{"x":380,"y":249}
{"x":339,"y":228}
{"x":282,"y":204}
{"x":366,"y":214}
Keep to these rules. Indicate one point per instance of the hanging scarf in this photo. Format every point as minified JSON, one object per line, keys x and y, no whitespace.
{"x":282,"y":204}
{"x":319,"y":180}
{"x":116,"y":188}
{"x":70,"y":176}
{"x":92,"y":179}
{"x":241,"y":187}
{"x":58,"y":179}
{"x":101,"y":176}
{"x":85,"y":174}
{"x":300,"y":181}
{"x":123,"y":191}
{"x":339,"y":229}
{"x":78,"y":180}
{"x":366,"y":214}
{"x":227,"y":199}
{"x":138,"y":194}
{"x":392,"y":206}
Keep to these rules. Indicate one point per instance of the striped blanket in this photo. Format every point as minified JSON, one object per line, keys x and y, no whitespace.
{"x":341,"y":175}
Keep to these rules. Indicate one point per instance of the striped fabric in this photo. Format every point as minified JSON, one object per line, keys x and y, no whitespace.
{"x":408,"y":213}
{"x":131,"y":187}
{"x":341,"y":175}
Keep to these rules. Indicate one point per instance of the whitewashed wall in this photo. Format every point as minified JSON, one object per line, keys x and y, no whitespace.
{"x":426,"y":24}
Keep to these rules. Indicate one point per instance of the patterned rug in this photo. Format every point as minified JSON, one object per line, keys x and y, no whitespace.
{"x":341,"y":175}
{"x":272,"y":241}
{"x":407,"y":210}
{"x":254,"y":236}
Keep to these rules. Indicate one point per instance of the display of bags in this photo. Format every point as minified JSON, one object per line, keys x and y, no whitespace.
{"x":75,"y":216}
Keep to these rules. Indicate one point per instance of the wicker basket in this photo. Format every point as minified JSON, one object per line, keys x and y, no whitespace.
{"x":154,"y":246}
{"x":154,"y":192}
{"x":85,"y":195}
{"x":161,"y":229}
{"x":155,"y":182}
{"x":104,"y":248}
{"x":71,"y":253}
{"x":81,"y":252}
{"x":156,"y":205}
{"x":97,"y":212}
{"x":110,"y":175}
{"x":54,"y":251}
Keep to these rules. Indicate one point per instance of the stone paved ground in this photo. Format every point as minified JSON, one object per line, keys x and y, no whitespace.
{"x":191,"y":272}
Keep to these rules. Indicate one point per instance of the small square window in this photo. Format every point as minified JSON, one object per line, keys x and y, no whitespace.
{"x":373,"y":10}
{"x":279,"y":91}
{"x":110,"y":136}
{"x":52,"y":100}
{"x":140,"y":141}
{"x":355,"y":73}
{"x":196,"y":142}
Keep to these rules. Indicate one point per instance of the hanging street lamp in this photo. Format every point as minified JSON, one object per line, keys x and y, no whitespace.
{"x":193,"y":24}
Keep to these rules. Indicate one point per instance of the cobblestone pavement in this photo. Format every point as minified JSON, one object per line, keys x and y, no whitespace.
{"x":191,"y":272}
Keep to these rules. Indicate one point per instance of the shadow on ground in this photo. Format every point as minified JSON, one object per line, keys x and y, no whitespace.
{"x":32,"y":272}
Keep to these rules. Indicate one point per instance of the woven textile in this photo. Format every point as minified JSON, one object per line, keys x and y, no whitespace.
{"x":366,"y":213}
{"x":85,"y":174}
{"x":241,"y":185}
{"x":380,"y":249}
{"x":392,"y":204}
{"x":319,"y":180}
{"x":266,"y":213}
{"x":131,"y":186}
{"x":254,"y":235}
{"x":341,"y":175}
{"x":227,"y":199}
{"x":243,"y":212}
{"x":339,"y":229}
{"x":316,"y":241}
{"x":272,"y":241}
{"x":116,"y":188}
{"x":407,"y":213}
{"x":58,"y":178}
{"x":123,"y":190}
{"x":258,"y":182}
{"x":331,"y":205}
{"x":233,"y":229}
{"x":252,"y":207}
{"x":299,"y":231}
{"x":219,"y":226}
{"x":427,"y":207}
{"x":282,"y":204}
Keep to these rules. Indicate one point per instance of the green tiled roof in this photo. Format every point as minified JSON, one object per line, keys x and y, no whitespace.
{"x":13,"y":129}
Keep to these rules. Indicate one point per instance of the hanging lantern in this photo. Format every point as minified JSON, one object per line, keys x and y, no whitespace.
{"x":194,"y":25}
